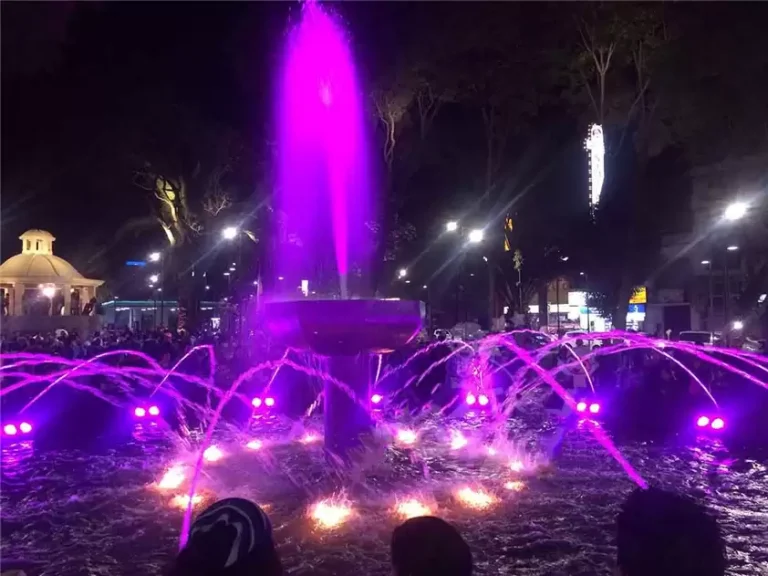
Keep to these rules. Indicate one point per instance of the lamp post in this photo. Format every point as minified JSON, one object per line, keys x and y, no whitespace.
{"x":474,"y":236}
{"x":158,"y":257}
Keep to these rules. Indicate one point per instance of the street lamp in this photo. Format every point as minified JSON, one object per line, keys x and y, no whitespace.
{"x":154,"y":278}
{"x":48,"y":291}
{"x":229,"y":233}
{"x":735,"y":211}
{"x":732,"y":248}
{"x":451,"y":226}
{"x":738,"y":325}
{"x":154,"y":257}
{"x":402,"y":273}
{"x":476,"y":236}
{"x":705,"y":262}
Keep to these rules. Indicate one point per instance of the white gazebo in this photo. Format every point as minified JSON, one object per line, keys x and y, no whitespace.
{"x":37,"y":283}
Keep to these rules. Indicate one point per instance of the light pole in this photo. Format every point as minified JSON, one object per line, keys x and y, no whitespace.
{"x":474,"y":236}
{"x":586,"y":298}
{"x":158,"y":257}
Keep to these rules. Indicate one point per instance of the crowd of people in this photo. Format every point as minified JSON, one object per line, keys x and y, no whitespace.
{"x":658,"y":533}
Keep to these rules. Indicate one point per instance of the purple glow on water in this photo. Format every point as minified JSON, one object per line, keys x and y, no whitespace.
{"x":25,"y":427}
{"x":139,"y":412}
{"x":324,"y":189}
{"x":471,"y":399}
{"x":10,"y":429}
{"x":702,"y":421}
{"x":376,"y":398}
{"x":718,"y":424}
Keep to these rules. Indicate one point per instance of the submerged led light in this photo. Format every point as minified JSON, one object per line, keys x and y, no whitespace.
{"x":482,"y":400}
{"x":140,"y":412}
{"x":256,"y":402}
{"x":718,"y":424}
{"x":154,"y":411}
{"x":25,"y":427}
{"x":269,"y":402}
{"x":376,"y":398}
{"x":10,"y":429}
{"x":471,"y":399}
{"x":581,"y":406}
{"x":702,"y":421}
{"x":594,"y":408}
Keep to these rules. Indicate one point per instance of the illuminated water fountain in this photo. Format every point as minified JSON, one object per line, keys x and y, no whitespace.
{"x":326,"y":196}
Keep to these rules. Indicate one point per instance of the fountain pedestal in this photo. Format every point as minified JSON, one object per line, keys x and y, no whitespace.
{"x":348,"y":332}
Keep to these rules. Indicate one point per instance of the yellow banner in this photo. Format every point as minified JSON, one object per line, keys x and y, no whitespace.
{"x":639,"y":295}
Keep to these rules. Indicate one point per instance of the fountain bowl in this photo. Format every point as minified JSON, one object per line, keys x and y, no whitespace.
{"x":345,"y":327}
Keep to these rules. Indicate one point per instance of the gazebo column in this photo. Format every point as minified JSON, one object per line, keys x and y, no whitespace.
{"x":67,"y":300}
{"x":17,"y":298}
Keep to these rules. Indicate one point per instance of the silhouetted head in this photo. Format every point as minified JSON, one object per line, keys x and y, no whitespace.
{"x":428,"y":546}
{"x":665,"y":534}
{"x":233,"y":537}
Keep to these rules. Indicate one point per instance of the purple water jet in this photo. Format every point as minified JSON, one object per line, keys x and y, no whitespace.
{"x":324,"y":190}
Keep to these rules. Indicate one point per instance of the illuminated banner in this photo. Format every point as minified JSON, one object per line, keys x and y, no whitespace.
{"x":595,"y":143}
{"x":639,"y":295}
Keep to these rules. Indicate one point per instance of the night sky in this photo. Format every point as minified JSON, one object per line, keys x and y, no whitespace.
{"x":81,"y":81}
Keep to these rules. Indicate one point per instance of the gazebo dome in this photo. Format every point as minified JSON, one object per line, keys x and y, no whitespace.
{"x":37,"y":262}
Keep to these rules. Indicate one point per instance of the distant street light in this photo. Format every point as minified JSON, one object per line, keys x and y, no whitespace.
{"x":226,"y":273}
{"x":48,"y":291}
{"x":738,"y":325}
{"x":231,"y":268}
{"x":705,"y":262}
{"x":229,"y":233}
{"x":424,"y":287}
{"x":476,"y":236}
{"x":735,"y":211}
{"x":732,"y":248}
{"x":155,"y":257}
{"x":207,"y":287}
{"x":451,"y":226}
{"x":402,"y":273}
{"x":154,"y":278}
{"x":564,"y":258}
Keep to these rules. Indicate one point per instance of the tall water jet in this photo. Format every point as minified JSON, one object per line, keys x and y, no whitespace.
{"x":325,"y":197}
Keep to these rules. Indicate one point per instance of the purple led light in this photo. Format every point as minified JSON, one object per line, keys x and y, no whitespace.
{"x":10,"y":429}
{"x":154,"y":411}
{"x":139,"y":412}
{"x":471,"y":399}
{"x":269,"y":402}
{"x":581,"y":406}
{"x":25,"y":427}
{"x":256,"y":402}
{"x":594,"y":408}
{"x":702,"y":421}
{"x":376,"y":398}
{"x":483,"y":399}
{"x":718,"y":424}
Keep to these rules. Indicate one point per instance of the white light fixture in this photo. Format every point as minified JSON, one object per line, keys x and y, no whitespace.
{"x":735,"y":211}
{"x":154,"y":278}
{"x":476,"y":236}
{"x":738,"y":325}
{"x":229,"y":233}
{"x":226,"y":273}
{"x":564,"y":258}
{"x":485,"y":258}
{"x":280,"y":278}
{"x":207,"y":287}
{"x":451,"y":226}
{"x":231,"y":268}
{"x":154,"y":257}
{"x":407,"y":281}
{"x":305,"y":287}
{"x":705,"y":262}
{"x":48,"y":291}
{"x":761,"y":298}
{"x":595,"y":143}
{"x":424,"y":287}
{"x":732,"y":248}
{"x":402,"y":273}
